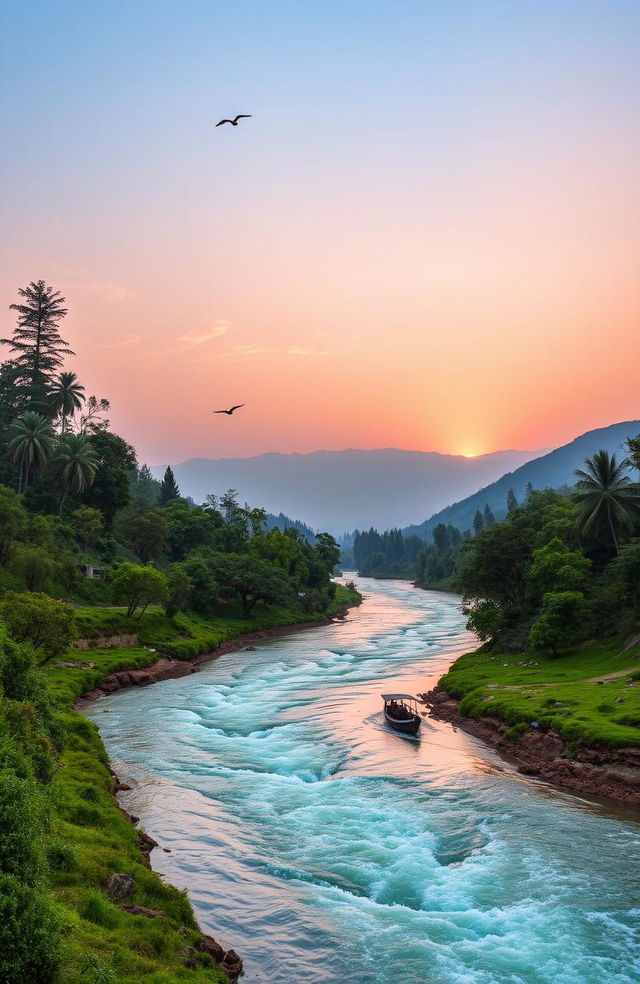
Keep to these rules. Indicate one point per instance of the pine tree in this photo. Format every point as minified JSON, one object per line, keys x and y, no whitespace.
{"x":489,"y":518}
{"x":478,"y":522}
{"x":36,"y":342}
{"x":512,"y":502}
{"x":169,"y":488}
{"x":529,"y":491}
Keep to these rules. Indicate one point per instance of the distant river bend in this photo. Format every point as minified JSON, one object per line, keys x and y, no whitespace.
{"x":328,"y":850}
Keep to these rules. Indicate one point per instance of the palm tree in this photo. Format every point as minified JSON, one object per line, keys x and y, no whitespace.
{"x":66,"y":396}
{"x":30,"y":443}
{"x":75,"y":464}
{"x":606,"y":495}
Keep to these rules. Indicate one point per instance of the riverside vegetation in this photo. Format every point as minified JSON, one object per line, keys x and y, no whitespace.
{"x":175,"y":578}
{"x":554,"y":595}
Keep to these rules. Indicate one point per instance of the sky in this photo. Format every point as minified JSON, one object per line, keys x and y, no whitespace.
{"x":427,"y":235}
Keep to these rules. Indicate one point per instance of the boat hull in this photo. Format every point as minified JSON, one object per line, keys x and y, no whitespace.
{"x":409,"y":726}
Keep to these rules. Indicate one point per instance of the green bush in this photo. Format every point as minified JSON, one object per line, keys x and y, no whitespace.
{"x":29,"y":934}
{"x":62,"y":856}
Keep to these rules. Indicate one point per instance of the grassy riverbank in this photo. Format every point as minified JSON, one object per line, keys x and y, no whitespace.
{"x":590,"y":694}
{"x":89,"y":837}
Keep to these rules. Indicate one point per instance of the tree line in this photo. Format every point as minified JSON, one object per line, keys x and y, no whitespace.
{"x":562,"y":568}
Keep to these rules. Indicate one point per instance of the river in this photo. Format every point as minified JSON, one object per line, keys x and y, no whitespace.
{"x":327,"y":849}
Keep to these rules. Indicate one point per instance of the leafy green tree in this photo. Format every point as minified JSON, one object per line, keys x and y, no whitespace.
{"x":250,"y":579}
{"x":169,"y":488}
{"x":485,"y":618}
{"x":560,"y":623}
{"x":13,"y":521}
{"x":66,"y":395}
{"x":478,"y":522}
{"x":138,"y":587}
{"x":116,"y":462}
{"x":75,"y":464}
{"x":204,"y":587}
{"x":88,"y":525}
{"x":180,"y":588}
{"x":36,"y":343}
{"x":607,"y":498}
{"x":190,"y":528}
{"x":48,"y":625}
{"x":327,"y":551}
{"x":144,"y":531}
{"x":30,"y":444}
{"x":556,"y":567}
{"x":493,"y":566}
{"x":512,"y":502}
{"x":33,"y":566}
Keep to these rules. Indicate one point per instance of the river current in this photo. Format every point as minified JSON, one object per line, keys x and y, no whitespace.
{"x":328,"y":849}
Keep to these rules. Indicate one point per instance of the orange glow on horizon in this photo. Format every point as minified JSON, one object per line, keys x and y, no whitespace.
{"x":465,"y":279}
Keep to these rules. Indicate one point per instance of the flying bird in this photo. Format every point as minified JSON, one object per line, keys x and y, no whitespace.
{"x":237,"y":407}
{"x":234,"y":122}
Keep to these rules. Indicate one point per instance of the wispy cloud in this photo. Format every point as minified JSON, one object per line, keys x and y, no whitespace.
{"x":252,"y":351}
{"x":195,"y":339}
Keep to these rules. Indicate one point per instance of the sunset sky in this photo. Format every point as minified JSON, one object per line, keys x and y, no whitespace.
{"x":427,"y":236}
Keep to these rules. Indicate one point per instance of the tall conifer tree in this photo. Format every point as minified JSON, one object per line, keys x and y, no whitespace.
{"x":36,"y":344}
{"x":169,"y":488}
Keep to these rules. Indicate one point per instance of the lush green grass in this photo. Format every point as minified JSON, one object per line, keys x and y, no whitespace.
{"x":183,"y":637}
{"x":90,"y":838}
{"x":522,"y":689}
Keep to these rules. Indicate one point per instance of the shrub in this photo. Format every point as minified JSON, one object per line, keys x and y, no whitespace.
{"x":29,"y":934}
{"x":40,"y":620}
{"x":62,"y":856}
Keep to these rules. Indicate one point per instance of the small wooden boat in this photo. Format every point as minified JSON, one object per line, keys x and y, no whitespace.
{"x":401,"y":712}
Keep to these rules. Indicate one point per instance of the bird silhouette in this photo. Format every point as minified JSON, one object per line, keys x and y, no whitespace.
{"x":229,"y":412}
{"x":234,"y":122}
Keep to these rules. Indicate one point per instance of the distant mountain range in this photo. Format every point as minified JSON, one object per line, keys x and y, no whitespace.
{"x":553,"y":470}
{"x":342,"y":490}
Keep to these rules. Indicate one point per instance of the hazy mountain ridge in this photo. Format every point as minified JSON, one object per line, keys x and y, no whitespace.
{"x":552,"y":470}
{"x":342,"y":490}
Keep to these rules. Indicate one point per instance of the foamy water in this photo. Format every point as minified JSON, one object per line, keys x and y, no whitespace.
{"x":327,"y":849}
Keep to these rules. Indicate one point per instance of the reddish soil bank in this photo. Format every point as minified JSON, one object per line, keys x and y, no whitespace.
{"x":592,"y":770}
{"x":166,"y":668}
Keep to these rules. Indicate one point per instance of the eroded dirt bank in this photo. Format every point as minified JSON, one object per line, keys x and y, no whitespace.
{"x":598,"y":771}
{"x":166,"y":668}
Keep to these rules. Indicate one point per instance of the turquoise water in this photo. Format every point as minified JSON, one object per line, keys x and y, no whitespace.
{"x":327,"y":849}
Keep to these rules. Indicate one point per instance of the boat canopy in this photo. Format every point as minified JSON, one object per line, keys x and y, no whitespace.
{"x":397,"y":697}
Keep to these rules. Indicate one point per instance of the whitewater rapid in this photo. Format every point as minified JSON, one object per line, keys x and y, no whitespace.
{"x":327,"y":849}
